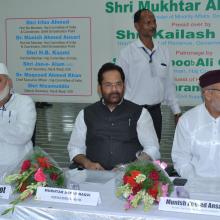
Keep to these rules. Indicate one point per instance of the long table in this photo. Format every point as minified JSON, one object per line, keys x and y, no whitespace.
{"x":110,"y":208}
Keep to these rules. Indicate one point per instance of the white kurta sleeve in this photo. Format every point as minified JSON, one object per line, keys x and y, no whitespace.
{"x":77,"y":143}
{"x":181,"y":150}
{"x":17,"y":122}
{"x":170,"y":90}
{"x":147,"y":135}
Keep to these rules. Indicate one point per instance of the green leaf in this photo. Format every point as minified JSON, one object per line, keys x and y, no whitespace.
{"x":9,"y":210}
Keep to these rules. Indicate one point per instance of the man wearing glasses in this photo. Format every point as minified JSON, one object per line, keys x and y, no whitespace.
{"x":148,"y":73}
{"x":17,"y":122}
{"x":196,"y":146}
{"x":113,"y":130}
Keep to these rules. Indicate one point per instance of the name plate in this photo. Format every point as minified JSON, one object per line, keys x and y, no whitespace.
{"x":5,"y":191}
{"x":189,"y":206}
{"x":68,"y":196}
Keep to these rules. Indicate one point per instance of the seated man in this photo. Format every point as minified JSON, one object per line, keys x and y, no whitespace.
{"x":196,"y":146}
{"x":17,"y":122}
{"x":112,"y":130}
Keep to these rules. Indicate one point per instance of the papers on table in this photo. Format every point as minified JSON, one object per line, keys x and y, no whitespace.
{"x":5,"y":191}
{"x":89,"y":176}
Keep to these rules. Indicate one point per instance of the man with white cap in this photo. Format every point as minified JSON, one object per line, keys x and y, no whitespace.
{"x":196,"y":146}
{"x":17,"y":122}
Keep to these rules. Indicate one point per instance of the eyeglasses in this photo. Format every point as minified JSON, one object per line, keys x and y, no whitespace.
{"x":109,"y":85}
{"x":218,"y":90}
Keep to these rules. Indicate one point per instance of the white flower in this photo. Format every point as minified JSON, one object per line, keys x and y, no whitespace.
{"x":140,"y":178}
{"x":12,"y":178}
{"x":148,"y":201}
{"x":25,"y":194}
{"x":124,"y":190}
{"x":137,"y":198}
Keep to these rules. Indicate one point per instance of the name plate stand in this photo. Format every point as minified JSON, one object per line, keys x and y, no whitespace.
{"x":5,"y":191}
{"x":189,"y":206}
{"x":68,"y":196}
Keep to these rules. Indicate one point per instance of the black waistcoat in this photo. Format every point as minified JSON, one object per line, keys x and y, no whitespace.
{"x":111,"y":137}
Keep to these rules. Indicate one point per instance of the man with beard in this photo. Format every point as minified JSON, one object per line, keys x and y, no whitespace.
{"x":196,"y":146}
{"x":148,"y":72}
{"x":112,"y":130}
{"x":17,"y":122}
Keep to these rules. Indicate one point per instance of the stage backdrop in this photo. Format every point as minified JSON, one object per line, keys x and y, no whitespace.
{"x":54,"y":48}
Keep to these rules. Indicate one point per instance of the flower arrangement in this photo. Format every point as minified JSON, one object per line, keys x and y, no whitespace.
{"x":144,"y":182}
{"x":36,"y":171}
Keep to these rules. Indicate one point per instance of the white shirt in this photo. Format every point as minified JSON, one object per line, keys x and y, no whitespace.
{"x":145,"y":130}
{"x":196,"y":146}
{"x":17,"y":122}
{"x":148,"y":83}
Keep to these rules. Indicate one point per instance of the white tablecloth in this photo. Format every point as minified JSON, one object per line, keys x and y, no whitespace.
{"x":110,"y":208}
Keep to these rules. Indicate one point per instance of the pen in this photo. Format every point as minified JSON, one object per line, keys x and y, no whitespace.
{"x":129,"y":122}
{"x":9,"y":116}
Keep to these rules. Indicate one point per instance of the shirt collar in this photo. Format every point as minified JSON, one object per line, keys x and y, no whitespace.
{"x":9,"y":101}
{"x":103,"y":102}
{"x":208,"y":114}
{"x":140,"y":44}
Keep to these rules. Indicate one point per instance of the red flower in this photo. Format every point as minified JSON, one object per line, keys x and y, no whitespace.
{"x":125,"y":179}
{"x":135,"y":173}
{"x":44,"y":162}
{"x":39,"y":176}
{"x":130,"y":180}
{"x":154,"y":175}
{"x":136,"y":189}
{"x":23,"y":187}
{"x":154,"y":190}
{"x":25,"y":165}
{"x":54,"y":176}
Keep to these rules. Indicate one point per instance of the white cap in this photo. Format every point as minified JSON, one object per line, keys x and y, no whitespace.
{"x":3,"y":69}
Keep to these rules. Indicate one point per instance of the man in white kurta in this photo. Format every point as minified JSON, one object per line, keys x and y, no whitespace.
{"x":196,"y":146}
{"x":17,"y":122}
